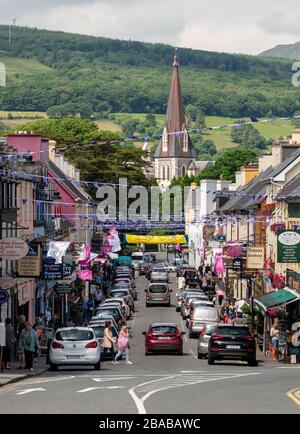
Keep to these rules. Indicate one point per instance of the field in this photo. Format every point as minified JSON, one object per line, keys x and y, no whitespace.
{"x":221,"y":137}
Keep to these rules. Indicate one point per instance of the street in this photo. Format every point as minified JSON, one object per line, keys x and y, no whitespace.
{"x":159,"y":383}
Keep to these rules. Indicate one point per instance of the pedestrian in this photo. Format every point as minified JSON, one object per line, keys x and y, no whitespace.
{"x":21,"y":326}
{"x":39,"y":333}
{"x":231,"y":312}
{"x":181,"y":283}
{"x":98,"y":296}
{"x":10,"y":340}
{"x":274,"y":338}
{"x":123,"y":345}
{"x":90,"y":307}
{"x":108,"y":341}
{"x":28,"y":344}
{"x":239,"y":318}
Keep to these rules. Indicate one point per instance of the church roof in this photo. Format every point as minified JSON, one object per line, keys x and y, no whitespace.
{"x":175,"y":121}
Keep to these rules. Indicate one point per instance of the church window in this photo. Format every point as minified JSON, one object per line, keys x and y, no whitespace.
{"x":185,"y":141}
{"x":165,"y":140}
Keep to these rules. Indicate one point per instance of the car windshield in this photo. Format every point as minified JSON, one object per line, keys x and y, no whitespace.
{"x":99,"y":331}
{"x":109,"y":311}
{"x":74,"y":335}
{"x":211,"y":314}
{"x":164,"y":329}
{"x":119,"y":294}
{"x":157,"y":288}
{"x":233,"y":331}
{"x":137,"y":256}
{"x":115,"y":302}
{"x":158,"y":270}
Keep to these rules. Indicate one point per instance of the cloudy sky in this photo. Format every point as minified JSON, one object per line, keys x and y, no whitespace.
{"x":218,"y":25}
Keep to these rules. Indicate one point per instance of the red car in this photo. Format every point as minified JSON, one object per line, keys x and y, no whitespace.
{"x":163,"y":337}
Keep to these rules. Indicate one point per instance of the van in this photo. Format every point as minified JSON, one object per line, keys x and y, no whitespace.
{"x":137,"y":258}
{"x":158,"y":293}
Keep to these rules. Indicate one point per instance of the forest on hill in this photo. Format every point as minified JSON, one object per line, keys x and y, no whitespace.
{"x":66,"y":74}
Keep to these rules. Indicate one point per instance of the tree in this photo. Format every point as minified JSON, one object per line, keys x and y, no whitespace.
{"x":248,"y":136}
{"x":129,"y":126}
{"x":151,"y":120}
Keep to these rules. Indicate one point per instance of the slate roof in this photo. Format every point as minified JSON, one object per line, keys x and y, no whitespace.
{"x":249,"y":195}
{"x":282,"y":166}
{"x":290,"y":190}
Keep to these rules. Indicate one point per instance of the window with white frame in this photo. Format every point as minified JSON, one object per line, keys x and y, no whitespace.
{"x":165,"y":140}
{"x":185,"y":141}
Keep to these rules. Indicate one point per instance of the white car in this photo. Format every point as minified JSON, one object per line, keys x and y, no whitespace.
{"x":171,"y":268}
{"x":137,"y":259}
{"x":159,"y":275}
{"x":74,"y":346}
{"x":118,"y":302}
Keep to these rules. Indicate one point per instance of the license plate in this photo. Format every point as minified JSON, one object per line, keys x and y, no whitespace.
{"x":164,"y":337}
{"x":73,"y":357}
{"x":233,"y":347}
{"x":157,"y":299}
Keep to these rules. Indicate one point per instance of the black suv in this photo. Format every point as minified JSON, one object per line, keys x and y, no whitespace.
{"x":232,"y":342}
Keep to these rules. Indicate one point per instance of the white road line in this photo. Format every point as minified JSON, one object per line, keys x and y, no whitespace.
{"x":287,"y":367}
{"x":139,"y":402}
{"x":89,"y":389}
{"x":99,"y":379}
{"x":193,"y":354}
{"x":25,"y":391}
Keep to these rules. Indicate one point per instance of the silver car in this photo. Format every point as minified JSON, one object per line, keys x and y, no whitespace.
{"x":158,"y":293}
{"x":74,"y":346}
{"x":185,"y":306}
{"x":159,"y":275}
{"x":202,"y":346}
{"x":201,"y":316}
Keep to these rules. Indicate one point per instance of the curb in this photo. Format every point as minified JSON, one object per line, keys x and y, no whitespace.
{"x":24,"y":377}
{"x":294,"y":395}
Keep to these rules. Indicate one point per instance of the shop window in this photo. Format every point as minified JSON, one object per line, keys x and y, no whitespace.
{"x":294,"y":210}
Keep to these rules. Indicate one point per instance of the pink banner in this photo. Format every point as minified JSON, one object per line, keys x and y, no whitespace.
{"x":85,"y":274}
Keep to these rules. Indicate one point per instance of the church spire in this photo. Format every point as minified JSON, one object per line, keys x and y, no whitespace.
{"x":175,"y":120}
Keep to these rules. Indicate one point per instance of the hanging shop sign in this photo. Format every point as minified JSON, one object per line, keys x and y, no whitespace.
{"x":13,"y":249}
{"x":155,"y":239}
{"x":214,"y":244}
{"x":293,"y":280}
{"x":288,"y":246}
{"x":4,"y":296}
{"x":255,"y":258}
{"x":51,"y":271}
{"x":220,"y":238}
{"x":208,"y":232}
{"x":30,"y":265}
{"x":63,"y":288}
{"x":7,"y":282}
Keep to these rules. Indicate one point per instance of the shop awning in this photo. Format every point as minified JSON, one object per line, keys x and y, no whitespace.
{"x":276,"y":298}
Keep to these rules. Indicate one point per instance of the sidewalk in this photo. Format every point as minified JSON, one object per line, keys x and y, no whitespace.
{"x":14,"y":374}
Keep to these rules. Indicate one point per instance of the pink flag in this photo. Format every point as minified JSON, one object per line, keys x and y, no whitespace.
{"x":85,"y":274}
{"x":219,"y":263}
{"x":86,"y":256}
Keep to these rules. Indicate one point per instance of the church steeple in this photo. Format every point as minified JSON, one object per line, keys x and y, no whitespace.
{"x":175,"y":120}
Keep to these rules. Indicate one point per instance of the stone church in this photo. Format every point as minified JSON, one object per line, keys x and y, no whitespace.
{"x":175,"y":153}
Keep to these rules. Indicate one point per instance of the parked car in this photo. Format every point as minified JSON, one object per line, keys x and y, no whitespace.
{"x":232,"y":342}
{"x":125,"y":285}
{"x":163,"y":337}
{"x":118,"y":302}
{"x":159,"y":275}
{"x":98,"y":327}
{"x":115,"y":311}
{"x":142,"y":268}
{"x":75,"y":346}
{"x":158,"y":293}
{"x":202,"y":346}
{"x":96,"y":319}
{"x":125,"y":294}
{"x":185,"y":306}
{"x":181,"y":297}
{"x":193,"y":305}
{"x":200,"y":316}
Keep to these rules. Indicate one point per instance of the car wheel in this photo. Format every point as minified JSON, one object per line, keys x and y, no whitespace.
{"x":210,"y":360}
{"x":147,"y":353}
{"x":53,"y":367}
{"x":147,"y":304}
{"x":98,"y":366}
{"x":191,"y":334}
{"x":200,"y":356}
{"x":252,"y":362}
{"x":180,"y":352}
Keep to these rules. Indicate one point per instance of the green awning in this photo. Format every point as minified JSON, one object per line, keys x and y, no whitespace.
{"x":276,"y":298}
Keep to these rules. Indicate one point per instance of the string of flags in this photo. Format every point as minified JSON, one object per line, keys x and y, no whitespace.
{"x":148,"y":138}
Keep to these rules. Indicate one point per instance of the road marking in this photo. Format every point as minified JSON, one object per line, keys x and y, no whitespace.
{"x":112,"y":379}
{"x":174,"y":381}
{"x":294,"y":394}
{"x":25,"y":391}
{"x":89,"y":389}
{"x":193,"y":354}
{"x":287,"y":367}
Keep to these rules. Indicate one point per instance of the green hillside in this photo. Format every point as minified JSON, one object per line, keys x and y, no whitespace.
{"x":69,"y":74}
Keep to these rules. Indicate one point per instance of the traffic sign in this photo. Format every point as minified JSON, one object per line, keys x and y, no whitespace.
{"x":63,"y":288}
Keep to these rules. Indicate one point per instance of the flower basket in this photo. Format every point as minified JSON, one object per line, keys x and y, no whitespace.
{"x":276,"y":227}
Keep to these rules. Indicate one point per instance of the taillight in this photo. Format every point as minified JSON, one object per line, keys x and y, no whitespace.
{"x":216,"y":336}
{"x":93,"y":344}
{"x":249,"y":338}
{"x":55,"y":345}
{"x":203,"y":331}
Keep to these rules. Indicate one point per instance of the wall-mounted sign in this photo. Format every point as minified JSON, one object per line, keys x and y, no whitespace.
{"x":63,"y":288}
{"x":7,"y":282}
{"x":13,"y":249}
{"x":288,"y":246}
{"x":51,"y":271}
{"x":255,"y":258}
{"x":4,"y":296}
{"x":30,"y":265}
